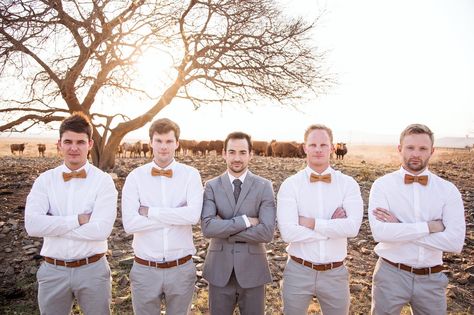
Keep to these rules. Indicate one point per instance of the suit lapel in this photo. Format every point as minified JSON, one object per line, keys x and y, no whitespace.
{"x":229,"y":191}
{"x":248,"y":183}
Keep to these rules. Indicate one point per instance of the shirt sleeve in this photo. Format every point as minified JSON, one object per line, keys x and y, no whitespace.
{"x":186,"y":214}
{"x":387,"y":231}
{"x":262,"y":232}
{"x":354,"y":207}
{"x":214,"y":226}
{"x":37,"y":220}
{"x":132,"y":221}
{"x":452,"y":238}
{"x":288,"y":217}
{"x":102,"y":217}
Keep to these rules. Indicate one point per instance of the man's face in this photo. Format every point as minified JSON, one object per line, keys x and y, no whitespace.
{"x":415,"y":152}
{"x":318,"y":148}
{"x":74,"y":148}
{"x":237,"y":156}
{"x":164,"y":145}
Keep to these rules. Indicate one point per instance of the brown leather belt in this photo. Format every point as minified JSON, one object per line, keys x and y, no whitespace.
{"x":167,"y":264}
{"x":322,"y":267}
{"x":417,"y":271}
{"x":74,"y":263}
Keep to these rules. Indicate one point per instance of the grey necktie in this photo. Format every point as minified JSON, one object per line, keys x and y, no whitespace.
{"x":237,"y":188}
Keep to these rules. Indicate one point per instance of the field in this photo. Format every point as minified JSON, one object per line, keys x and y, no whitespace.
{"x":19,"y":254}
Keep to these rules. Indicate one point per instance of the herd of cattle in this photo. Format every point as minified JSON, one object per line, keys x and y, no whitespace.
{"x":191,"y":147}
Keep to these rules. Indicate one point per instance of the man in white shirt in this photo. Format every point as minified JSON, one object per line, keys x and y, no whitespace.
{"x":415,"y":216}
{"x":161,"y":201}
{"x":73,"y":207}
{"x":318,"y":208}
{"x":239,"y":216}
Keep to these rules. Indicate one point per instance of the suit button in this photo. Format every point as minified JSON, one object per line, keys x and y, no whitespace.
{"x":237,"y":251}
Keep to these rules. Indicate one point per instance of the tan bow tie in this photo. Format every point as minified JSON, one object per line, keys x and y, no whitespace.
{"x":423,"y":180}
{"x":320,"y":178}
{"x":74,"y":174}
{"x":158,"y":172}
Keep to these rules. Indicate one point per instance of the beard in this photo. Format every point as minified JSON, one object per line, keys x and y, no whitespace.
{"x":415,"y":165}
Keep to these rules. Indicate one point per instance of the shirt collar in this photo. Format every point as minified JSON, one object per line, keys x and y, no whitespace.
{"x":242,"y":177}
{"x":404,"y":171}
{"x":86,"y":167}
{"x":169,"y":166}
{"x":308,"y":170}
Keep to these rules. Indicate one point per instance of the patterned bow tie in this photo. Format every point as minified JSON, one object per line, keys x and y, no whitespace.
{"x":423,"y":180}
{"x":158,"y":172}
{"x":74,"y":174}
{"x":320,"y":178}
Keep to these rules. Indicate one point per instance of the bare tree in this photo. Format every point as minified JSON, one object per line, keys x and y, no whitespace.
{"x":71,"y":53}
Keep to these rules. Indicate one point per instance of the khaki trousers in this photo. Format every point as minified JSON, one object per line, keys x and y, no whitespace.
{"x":174,"y":285}
{"x":301,"y":283}
{"x":90,"y":284}
{"x":393,"y":288}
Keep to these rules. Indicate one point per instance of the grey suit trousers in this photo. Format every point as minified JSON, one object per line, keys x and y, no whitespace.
{"x":393,"y":288}
{"x":90,"y":284}
{"x":222,"y":300}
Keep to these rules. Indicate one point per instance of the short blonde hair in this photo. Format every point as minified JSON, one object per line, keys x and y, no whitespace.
{"x":318,"y":127}
{"x":417,"y":129}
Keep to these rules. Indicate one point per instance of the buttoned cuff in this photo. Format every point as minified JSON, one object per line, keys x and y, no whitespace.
{"x":246,"y":220}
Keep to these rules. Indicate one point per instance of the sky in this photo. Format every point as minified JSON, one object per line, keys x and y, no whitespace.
{"x":397,"y":62}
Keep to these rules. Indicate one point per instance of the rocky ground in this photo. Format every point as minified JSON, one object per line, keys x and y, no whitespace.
{"x":19,"y":254}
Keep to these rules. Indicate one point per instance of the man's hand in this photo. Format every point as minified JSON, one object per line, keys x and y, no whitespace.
{"x":436,"y":226}
{"x":253,"y":221}
{"x":306,"y":222}
{"x":143,"y":211}
{"x":84,"y":218}
{"x":384,"y":215}
{"x":339,"y":213}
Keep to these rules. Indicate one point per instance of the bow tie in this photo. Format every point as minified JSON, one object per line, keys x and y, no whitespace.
{"x":74,"y":174}
{"x":320,"y":178}
{"x":158,"y":172}
{"x":423,"y":180}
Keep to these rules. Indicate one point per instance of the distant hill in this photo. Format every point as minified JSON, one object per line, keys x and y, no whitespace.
{"x":454,"y":142}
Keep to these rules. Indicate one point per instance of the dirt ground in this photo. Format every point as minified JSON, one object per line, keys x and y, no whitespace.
{"x":19,"y":254}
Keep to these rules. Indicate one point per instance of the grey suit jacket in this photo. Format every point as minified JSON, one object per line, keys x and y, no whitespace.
{"x":233,"y":245}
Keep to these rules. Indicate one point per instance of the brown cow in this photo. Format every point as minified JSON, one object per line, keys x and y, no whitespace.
{"x":285,"y":149}
{"x":341,"y":150}
{"x":119,"y":151}
{"x":145,"y":149}
{"x":18,"y":147}
{"x":129,"y":147}
{"x":186,"y":146}
{"x":260,"y":147}
{"x":201,"y":147}
{"x":216,"y":145}
{"x":269,"y":148}
{"x":41,"y":149}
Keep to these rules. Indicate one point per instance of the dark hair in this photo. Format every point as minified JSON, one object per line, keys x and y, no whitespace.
{"x":164,"y":125}
{"x":417,"y":129}
{"x":238,"y":135}
{"x":318,"y":127}
{"x":78,"y":122}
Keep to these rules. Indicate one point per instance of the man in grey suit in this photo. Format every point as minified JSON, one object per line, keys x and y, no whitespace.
{"x":239,"y":216}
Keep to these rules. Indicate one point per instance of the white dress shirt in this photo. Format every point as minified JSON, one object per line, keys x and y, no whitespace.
{"x":175,"y":204}
{"x":299,"y":197}
{"x":410,"y":242}
{"x":53,"y":206}
{"x":241,"y":178}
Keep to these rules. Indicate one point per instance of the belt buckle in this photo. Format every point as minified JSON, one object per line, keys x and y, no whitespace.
{"x":411,"y":269}
{"x":332,"y":265}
